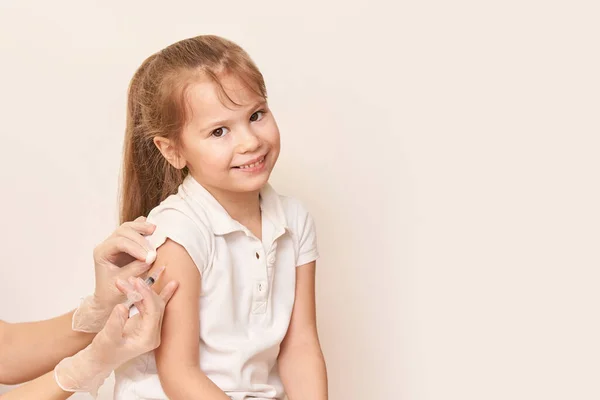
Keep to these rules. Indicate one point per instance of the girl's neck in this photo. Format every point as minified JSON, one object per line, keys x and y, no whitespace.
{"x":243,"y":207}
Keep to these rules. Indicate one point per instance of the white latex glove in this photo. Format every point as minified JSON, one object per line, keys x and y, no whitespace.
{"x":123,"y":254}
{"x":120,"y":340}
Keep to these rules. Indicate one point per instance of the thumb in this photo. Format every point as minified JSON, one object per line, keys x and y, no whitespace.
{"x":116,"y":322}
{"x":168,"y":291}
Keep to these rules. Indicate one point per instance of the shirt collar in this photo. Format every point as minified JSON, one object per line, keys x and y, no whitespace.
{"x":220,"y":221}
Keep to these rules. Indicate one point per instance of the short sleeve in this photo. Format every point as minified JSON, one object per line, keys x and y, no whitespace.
{"x":307,"y":237}
{"x":175,"y":225}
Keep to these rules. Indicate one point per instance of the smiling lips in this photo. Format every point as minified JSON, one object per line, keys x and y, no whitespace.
{"x":255,"y":164}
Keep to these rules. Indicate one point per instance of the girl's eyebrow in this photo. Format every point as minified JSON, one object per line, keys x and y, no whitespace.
{"x":259,"y":104}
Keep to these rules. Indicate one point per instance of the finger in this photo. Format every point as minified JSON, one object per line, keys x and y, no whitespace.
{"x":132,"y":234}
{"x":116,"y":322}
{"x":124,"y":287}
{"x":135,"y":268}
{"x":142,"y":228}
{"x":119,"y":244}
{"x":140,"y":223}
{"x":168,"y":291}
{"x":129,"y":290}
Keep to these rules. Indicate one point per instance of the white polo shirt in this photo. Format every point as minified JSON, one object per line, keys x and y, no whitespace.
{"x":247,"y":293}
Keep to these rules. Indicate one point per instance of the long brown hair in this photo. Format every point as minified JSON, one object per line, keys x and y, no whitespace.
{"x":156,"y":106}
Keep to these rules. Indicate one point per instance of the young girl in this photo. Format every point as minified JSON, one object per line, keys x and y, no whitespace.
{"x":200,"y":146}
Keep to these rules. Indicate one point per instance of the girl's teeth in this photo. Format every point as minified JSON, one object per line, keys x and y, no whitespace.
{"x":251,"y":165}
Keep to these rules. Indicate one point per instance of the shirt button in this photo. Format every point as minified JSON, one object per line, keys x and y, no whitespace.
{"x":257,"y":256}
{"x":261,"y":287}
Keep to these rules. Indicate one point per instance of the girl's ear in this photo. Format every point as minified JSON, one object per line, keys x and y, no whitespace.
{"x":169,"y":152}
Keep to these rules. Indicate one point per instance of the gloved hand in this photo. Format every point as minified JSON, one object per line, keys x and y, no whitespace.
{"x":121,"y":339}
{"x":126,"y":245}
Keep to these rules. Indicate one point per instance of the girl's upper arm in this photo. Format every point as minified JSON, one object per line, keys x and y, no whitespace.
{"x":303,"y":324}
{"x":179,"y":349}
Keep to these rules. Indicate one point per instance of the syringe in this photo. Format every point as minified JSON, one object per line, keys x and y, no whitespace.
{"x":150,"y":280}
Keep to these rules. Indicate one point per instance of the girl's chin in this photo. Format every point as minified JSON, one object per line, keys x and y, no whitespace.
{"x":251,"y":184}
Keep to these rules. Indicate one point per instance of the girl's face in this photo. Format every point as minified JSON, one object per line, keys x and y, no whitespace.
{"x":228,"y":148}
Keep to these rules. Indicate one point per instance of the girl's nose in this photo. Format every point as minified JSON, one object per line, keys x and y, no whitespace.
{"x":248,"y":141}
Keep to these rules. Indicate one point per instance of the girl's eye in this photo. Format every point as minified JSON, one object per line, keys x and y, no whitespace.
{"x":257,"y":116}
{"x":220,"y":132}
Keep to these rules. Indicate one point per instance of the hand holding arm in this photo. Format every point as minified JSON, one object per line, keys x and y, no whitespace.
{"x":126,"y":244}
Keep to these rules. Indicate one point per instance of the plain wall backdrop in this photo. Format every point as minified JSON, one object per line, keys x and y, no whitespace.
{"x":449,"y":152}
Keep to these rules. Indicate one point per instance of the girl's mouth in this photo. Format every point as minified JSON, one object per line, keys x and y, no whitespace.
{"x":253,"y":166}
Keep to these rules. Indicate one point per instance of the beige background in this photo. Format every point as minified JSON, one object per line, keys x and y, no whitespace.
{"x":448,"y":151}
